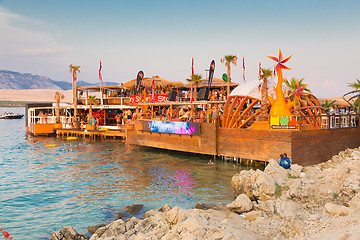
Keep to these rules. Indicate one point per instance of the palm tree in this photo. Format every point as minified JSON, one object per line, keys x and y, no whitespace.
{"x":356,"y":86}
{"x":91,"y":101}
{"x":74,"y":69}
{"x":58,"y":96}
{"x":228,"y":59}
{"x":355,"y":105}
{"x":327,"y":105}
{"x":295,"y":90}
{"x":196,"y":79}
{"x":265,"y":74}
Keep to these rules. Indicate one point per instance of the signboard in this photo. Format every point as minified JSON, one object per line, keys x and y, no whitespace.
{"x":284,"y":122}
{"x":182,"y":128}
{"x":140,"y":98}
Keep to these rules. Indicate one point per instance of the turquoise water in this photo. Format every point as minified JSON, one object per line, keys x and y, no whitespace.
{"x":82,"y":182}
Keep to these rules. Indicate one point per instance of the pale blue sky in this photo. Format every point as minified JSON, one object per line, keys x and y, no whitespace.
{"x":159,"y":37}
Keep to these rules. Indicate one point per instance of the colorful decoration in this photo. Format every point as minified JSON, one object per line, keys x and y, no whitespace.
{"x":298,"y":92}
{"x":280,"y":107}
{"x":6,"y":234}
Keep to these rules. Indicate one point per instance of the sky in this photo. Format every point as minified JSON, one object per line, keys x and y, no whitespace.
{"x":44,"y":37}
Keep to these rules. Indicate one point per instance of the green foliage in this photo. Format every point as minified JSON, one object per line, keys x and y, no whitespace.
{"x":356,"y":91}
{"x":355,"y":105}
{"x":91,"y":99}
{"x":327,"y":105}
{"x":228,"y":59}
{"x":196,"y":78}
{"x":293,"y":177}
{"x":355,"y":85}
{"x":335,"y":195}
{"x":277,"y":190}
{"x":265,"y":73}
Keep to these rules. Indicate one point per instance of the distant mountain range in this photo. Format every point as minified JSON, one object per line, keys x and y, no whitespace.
{"x":20,"y":81}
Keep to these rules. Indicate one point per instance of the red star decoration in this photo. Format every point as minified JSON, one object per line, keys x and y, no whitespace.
{"x":280,"y":61}
{"x":299,"y":90}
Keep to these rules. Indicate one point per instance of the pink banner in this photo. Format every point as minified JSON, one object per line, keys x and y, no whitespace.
{"x":139,"y":98}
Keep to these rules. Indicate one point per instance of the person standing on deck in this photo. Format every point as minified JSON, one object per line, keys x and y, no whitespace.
{"x":215,"y":114}
{"x":118,"y":120}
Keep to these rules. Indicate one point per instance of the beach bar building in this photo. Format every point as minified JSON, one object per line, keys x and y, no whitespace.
{"x":239,"y":127}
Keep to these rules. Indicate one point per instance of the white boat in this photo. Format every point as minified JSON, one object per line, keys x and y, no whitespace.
{"x":11,"y":115}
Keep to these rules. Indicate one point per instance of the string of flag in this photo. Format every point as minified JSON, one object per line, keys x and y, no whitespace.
{"x":100,"y":76}
{"x":259,"y":70}
{"x":192,"y":79}
{"x":244,"y":69}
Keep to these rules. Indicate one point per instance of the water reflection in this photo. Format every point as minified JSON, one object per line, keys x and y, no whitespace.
{"x":82,"y":182}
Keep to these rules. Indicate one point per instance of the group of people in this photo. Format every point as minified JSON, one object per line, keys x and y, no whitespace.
{"x":124,"y":118}
{"x":43,"y":117}
{"x":209,"y":115}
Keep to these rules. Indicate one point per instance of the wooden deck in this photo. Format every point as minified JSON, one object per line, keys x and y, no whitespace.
{"x":305,"y":147}
{"x":92,"y":134}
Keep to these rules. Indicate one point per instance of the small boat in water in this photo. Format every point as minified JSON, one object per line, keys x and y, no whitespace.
{"x":11,"y":115}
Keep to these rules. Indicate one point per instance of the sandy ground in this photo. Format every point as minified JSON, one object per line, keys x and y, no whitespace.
{"x":33,"y":95}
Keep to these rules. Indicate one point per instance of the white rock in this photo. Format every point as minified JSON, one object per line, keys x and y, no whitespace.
{"x":242,"y":203}
{"x":335,"y":209}
{"x":287,"y":208}
{"x":175,"y":215}
{"x":263,"y":185}
{"x":355,"y":201}
{"x":278,"y":173}
{"x":253,"y":215}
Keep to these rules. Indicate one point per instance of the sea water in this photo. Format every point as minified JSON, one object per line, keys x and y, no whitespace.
{"x":84,"y":182}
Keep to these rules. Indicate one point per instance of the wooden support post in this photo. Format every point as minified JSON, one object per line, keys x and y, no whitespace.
{"x":152,"y":112}
{"x":171,"y":112}
{"x":191,"y":111}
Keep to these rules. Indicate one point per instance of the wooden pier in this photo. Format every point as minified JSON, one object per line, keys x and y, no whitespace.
{"x":92,"y":134}
{"x":305,"y":147}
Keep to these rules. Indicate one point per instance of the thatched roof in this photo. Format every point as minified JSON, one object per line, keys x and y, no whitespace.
{"x":147,"y":82}
{"x":339,"y":101}
{"x":216,"y":83}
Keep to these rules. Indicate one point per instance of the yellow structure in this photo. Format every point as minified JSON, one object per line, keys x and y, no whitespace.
{"x":280,"y":107}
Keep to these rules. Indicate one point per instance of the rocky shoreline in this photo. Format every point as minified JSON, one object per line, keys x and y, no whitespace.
{"x":315,"y":202}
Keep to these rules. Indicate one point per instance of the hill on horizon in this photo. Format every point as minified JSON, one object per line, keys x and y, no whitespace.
{"x":22,"y":81}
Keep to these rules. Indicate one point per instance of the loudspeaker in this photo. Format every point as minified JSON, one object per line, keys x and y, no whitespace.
{"x":172,"y":96}
{"x":203,"y":94}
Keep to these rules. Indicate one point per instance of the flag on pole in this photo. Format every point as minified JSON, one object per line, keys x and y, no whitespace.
{"x":153,"y":90}
{"x":192,"y":79}
{"x":139,"y":78}
{"x":274,"y":75}
{"x":244,"y":69}
{"x":259,"y":70}
{"x":100,"y":76}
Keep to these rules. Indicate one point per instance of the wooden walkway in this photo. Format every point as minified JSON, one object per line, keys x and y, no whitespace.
{"x":92,"y":134}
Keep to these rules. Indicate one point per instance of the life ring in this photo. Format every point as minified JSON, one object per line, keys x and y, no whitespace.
{"x":51,"y":145}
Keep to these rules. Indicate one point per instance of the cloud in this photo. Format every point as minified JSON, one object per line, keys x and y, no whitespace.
{"x":41,"y":52}
{"x":23,"y":35}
